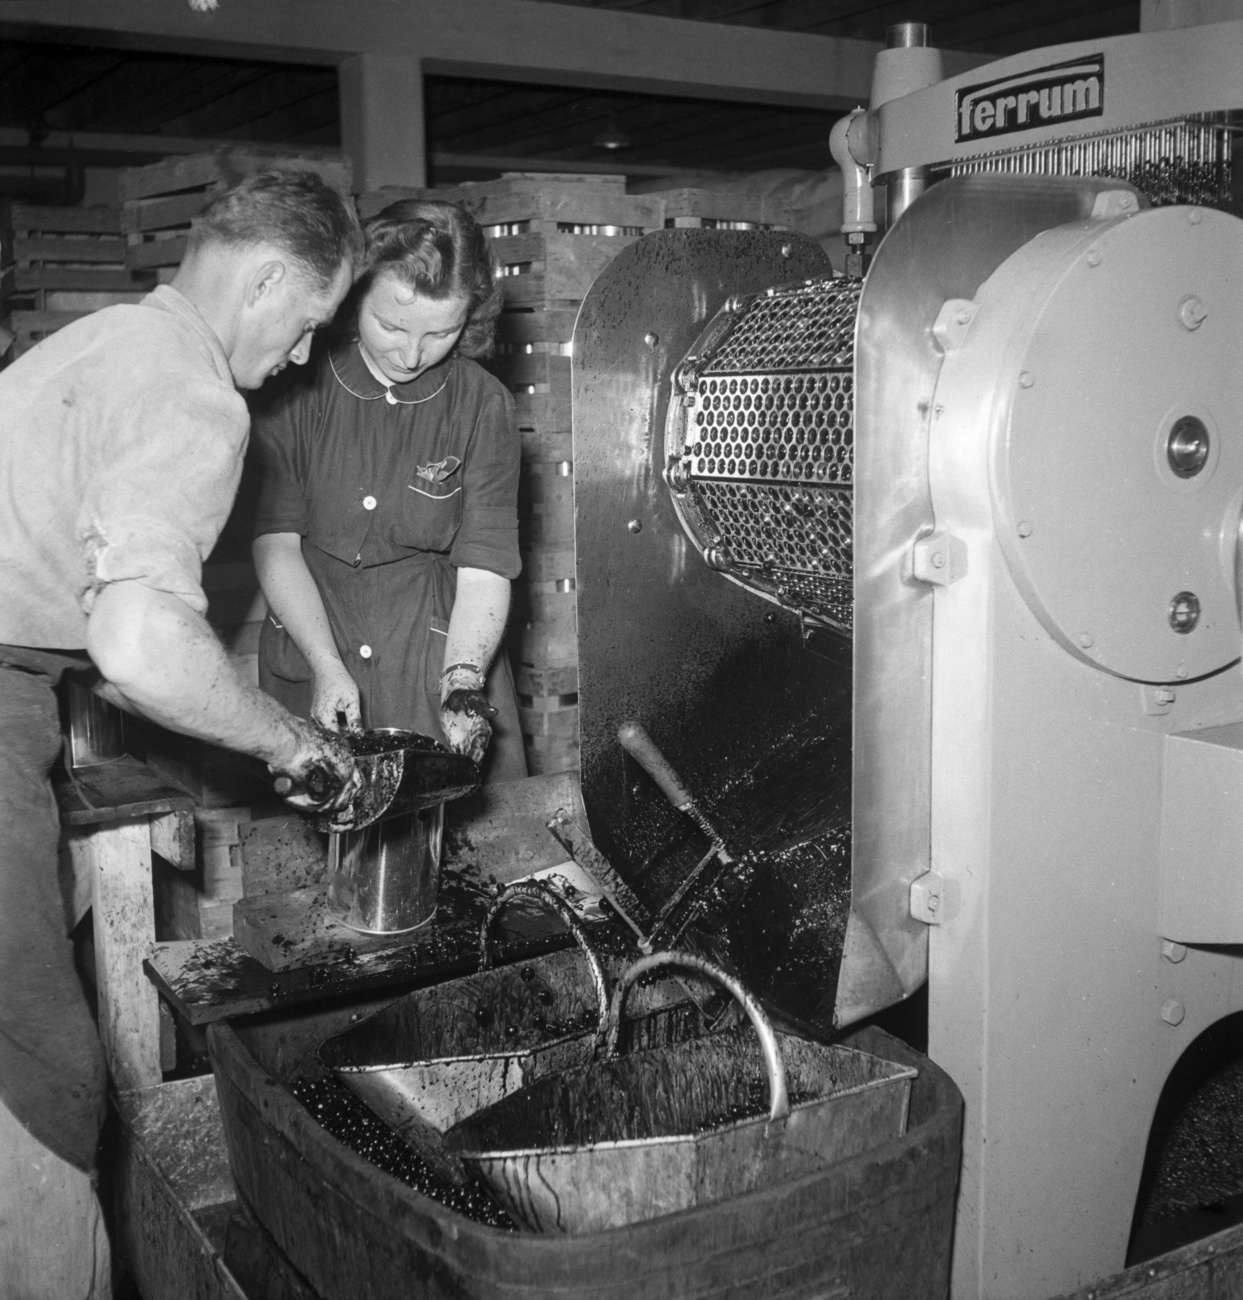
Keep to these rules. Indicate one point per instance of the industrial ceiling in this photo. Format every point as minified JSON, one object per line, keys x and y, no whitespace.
{"x":69,"y":102}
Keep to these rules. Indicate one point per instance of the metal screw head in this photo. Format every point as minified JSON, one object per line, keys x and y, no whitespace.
{"x":635,"y":525}
{"x":1187,"y":447}
{"x":651,"y":339}
{"x":1192,"y":312}
{"x":1173,"y":1011}
{"x":1184,"y":612}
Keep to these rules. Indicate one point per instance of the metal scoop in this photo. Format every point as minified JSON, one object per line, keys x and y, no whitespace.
{"x":402,"y":772}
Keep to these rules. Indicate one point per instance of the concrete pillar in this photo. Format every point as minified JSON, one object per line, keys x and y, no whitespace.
{"x":382,"y":127}
{"x":1161,"y":15}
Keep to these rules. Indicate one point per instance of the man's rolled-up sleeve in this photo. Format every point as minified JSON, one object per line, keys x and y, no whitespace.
{"x":158,"y":498}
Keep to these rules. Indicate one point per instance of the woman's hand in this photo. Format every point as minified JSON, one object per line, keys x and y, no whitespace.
{"x":334,"y":697}
{"x":464,"y":711}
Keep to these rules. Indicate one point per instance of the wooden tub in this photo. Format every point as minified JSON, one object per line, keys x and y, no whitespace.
{"x":877,"y":1225}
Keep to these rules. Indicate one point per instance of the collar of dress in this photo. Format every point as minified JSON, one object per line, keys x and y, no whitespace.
{"x":352,"y":373}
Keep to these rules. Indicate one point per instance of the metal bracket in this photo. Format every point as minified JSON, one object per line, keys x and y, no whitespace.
{"x":1114,"y":203}
{"x":1157,"y":700}
{"x":952,"y":323}
{"x":928,"y":898}
{"x":939,"y":558}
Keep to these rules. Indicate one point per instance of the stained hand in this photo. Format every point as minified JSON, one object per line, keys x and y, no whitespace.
{"x":465,"y":713}
{"x":334,"y":698}
{"x":322,"y":776}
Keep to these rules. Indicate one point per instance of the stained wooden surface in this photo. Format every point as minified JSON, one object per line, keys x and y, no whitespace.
{"x":114,"y":791}
{"x":124,"y":917}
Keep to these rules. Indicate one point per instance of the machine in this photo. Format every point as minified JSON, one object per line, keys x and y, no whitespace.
{"x":927,"y":583}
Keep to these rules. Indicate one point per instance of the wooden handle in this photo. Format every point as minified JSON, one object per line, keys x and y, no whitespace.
{"x":642,"y":748}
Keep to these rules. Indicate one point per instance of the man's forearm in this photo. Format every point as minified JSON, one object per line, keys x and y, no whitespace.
{"x":165,"y":662}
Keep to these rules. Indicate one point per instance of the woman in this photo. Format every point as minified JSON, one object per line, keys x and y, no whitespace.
{"x":387,"y":534}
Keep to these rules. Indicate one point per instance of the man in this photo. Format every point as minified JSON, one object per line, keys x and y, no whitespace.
{"x":121,"y":445}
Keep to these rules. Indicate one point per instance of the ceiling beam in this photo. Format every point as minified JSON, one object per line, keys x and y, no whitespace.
{"x":511,"y":40}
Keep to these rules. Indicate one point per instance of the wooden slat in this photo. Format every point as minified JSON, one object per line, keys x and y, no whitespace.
{"x":47,"y":249}
{"x":124,"y":927}
{"x":548,"y":269}
{"x":164,"y":212}
{"x":30,"y":218}
{"x":172,"y":837}
{"x":156,"y":252}
{"x":85,"y":279}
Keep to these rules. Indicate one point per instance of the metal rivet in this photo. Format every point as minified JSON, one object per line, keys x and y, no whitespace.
{"x":635,"y":525}
{"x":1187,"y":446}
{"x":651,"y":339}
{"x":1086,"y":640}
{"x":1027,"y":379}
{"x":1180,"y":671}
{"x":1173,"y":1011}
{"x":1094,"y":258}
{"x":787,"y":250}
{"x":1025,"y":528}
{"x":1195,"y":216}
{"x":1173,"y":952}
{"x":938,"y":559}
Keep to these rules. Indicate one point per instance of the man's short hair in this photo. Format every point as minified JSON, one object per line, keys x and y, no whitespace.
{"x":293,"y":210}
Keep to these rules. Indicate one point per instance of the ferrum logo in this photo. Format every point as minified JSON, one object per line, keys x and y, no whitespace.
{"x":1062,"y":92}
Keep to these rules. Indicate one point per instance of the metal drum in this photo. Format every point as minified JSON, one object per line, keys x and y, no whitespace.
{"x":760,"y":445}
{"x":385,"y":877}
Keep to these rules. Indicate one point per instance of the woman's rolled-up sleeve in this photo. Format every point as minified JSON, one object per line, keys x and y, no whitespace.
{"x":488,"y":535}
{"x":278,"y":432}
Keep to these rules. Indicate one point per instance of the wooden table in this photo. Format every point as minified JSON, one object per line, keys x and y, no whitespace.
{"x":115,"y":815}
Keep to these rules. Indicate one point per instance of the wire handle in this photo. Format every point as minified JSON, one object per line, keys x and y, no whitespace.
{"x":778,"y":1096}
{"x":537,"y":892}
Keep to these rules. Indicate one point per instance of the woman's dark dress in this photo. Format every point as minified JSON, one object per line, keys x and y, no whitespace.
{"x":392,"y":489}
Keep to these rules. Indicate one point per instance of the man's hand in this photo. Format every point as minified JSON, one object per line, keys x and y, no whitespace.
{"x":465,"y":711}
{"x":322,"y":776}
{"x":334,"y":696}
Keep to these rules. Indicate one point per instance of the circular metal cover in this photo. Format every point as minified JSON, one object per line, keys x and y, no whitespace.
{"x":1119,"y":475}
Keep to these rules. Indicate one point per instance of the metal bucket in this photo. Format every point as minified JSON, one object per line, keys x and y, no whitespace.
{"x":437,"y":1055}
{"x":631,"y":1138}
{"x":385,"y":877}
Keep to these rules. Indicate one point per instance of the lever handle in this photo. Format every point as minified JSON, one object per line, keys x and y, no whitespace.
{"x":642,"y":748}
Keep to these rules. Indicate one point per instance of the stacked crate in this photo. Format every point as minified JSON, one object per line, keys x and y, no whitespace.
{"x":551,"y":236}
{"x":60,"y":264}
{"x":722,"y":210}
{"x":159,"y":201}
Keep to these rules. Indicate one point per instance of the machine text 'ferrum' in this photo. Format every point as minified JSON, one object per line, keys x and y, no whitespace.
{"x":1061,"y":92}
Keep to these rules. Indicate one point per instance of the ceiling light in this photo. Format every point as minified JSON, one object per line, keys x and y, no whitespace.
{"x":611,"y":137}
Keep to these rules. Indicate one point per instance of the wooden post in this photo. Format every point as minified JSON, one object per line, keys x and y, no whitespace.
{"x":129,"y":1015}
{"x":382,"y":127}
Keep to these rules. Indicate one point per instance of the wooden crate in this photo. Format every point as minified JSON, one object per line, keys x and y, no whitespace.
{"x":539,"y":202}
{"x":160,"y":201}
{"x":710,"y":209}
{"x":543,"y":270}
{"x":61,"y":264}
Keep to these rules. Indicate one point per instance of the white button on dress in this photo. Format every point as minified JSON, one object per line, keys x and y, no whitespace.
{"x":365,"y":651}
{"x":369,"y":503}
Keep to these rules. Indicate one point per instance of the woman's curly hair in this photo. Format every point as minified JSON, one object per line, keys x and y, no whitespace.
{"x":439,"y":252}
